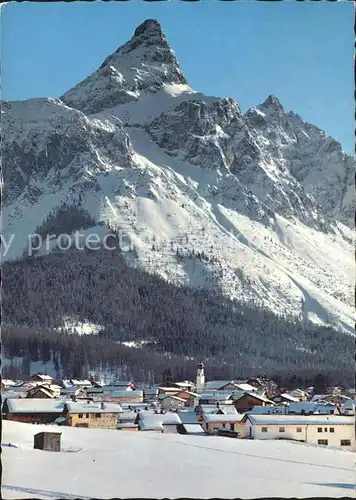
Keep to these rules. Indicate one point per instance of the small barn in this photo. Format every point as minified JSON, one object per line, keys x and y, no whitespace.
{"x":47,"y":441}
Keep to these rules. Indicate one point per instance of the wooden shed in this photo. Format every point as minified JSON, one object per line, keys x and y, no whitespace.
{"x":48,"y":441}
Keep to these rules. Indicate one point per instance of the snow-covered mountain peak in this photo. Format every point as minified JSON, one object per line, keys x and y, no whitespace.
{"x":262,"y":195}
{"x":146,"y":63}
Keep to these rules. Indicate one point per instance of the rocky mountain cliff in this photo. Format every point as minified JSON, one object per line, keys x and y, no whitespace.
{"x":256,"y":205}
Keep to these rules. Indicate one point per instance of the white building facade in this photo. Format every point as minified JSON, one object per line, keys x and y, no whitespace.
{"x":325,"y":430}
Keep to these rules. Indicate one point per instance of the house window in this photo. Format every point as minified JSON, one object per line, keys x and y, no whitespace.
{"x":223,"y":426}
{"x":323,"y":441}
{"x":325,"y":429}
{"x":264,"y":429}
{"x":80,"y":415}
{"x":98,"y":415}
{"x":281,"y":429}
{"x":87,"y":415}
{"x":232,"y":427}
{"x":320,"y":429}
{"x":345,"y":442}
{"x":299,"y":429}
{"x":331,"y":429}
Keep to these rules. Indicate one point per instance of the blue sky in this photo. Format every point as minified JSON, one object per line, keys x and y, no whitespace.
{"x":301,"y":52}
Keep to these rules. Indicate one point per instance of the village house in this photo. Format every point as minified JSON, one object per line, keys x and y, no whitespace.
{"x":309,"y":408}
{"x":7,"y":383}
{"x":284,"y":398}
{"x":211,"y":422}
{"x":328,"y":430}
{"x":348,"y":408}
{"x":168,"y":389}
{"x":170,"y":402}
{"x":74,"y":392}
{"x":150,"y":394}
{"x":186,"y":385}
{"x":33,"y":411}
{"x":158,"y":422}
{"x":189,"y":397}
{"x":190,"y":423}
{"x":40,"y":392}
{"x":269,"y":410}
{"x":90,"y":415}
{"x":220,"y":385}
{"x":126,"y":421}
{"x":42,"y":378}
{"x":19,"y":391}
{"x":80,"y":382}
{"x":214,"y":398}
{"x":248,"y":400}
{"x":127,"y":396}
{"x":299,"y":394}
{"x":258,"y":383}
{"x":107,"y":390}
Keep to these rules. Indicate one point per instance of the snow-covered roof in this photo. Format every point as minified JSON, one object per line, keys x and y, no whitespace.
{"x":171,"y":396}
{"x":188,"y":417}
{"x":267,"y":410}
{"x":150,"y":391}
{"x":190,"y":393}
{"x":10,"y":395}
{"x":308,"y":406}
{"x":169,"y":389}
{"x":19,"y":389}
{"x":127,"y":415}
{"x":319,"y":397}
{"x":289,"y":397}
{"x":185,"y":383}
{"x":217,"y":384}
{"x":34,"y":405}
{"x":72,"y":390}
{"x":213,"y":417}
{"x":300,"y":420}
{"x":156,"y":419}
{"x":246,"y":387}
{"x":255,"y":395}
{"x":215,"y":397}
{"x":49,"y":392}
{"x":228,"y":409}
{"x":298,"y":392}
{"x":349,"y":404}
{"x":127,"y":394}
{"x":8,"y":382}
{"x":89,"y":407}
{"x":128,"y":405}
{"x":43,"y":377}
{"x":194,"y":428}
{"x":127,"y":424}
{"x":60,"y":420}
{"x":81,"y":382}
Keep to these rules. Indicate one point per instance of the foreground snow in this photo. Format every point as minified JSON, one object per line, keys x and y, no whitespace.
{"x":106,"y":464}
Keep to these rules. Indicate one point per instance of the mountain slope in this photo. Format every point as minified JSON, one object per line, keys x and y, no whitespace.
{"x":256,"y":205}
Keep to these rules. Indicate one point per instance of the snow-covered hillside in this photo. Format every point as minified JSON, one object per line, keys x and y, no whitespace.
{"x":266,"y":197}
{"x":107,"y":464}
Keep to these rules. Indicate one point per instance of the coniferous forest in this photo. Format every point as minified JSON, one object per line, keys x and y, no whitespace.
{"x":177,"y":324}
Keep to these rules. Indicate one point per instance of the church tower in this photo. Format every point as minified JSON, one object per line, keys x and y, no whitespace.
{"x":200,"y":380}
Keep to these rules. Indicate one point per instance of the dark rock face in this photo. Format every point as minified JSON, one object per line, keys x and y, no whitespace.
{"x":149,"y":25}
